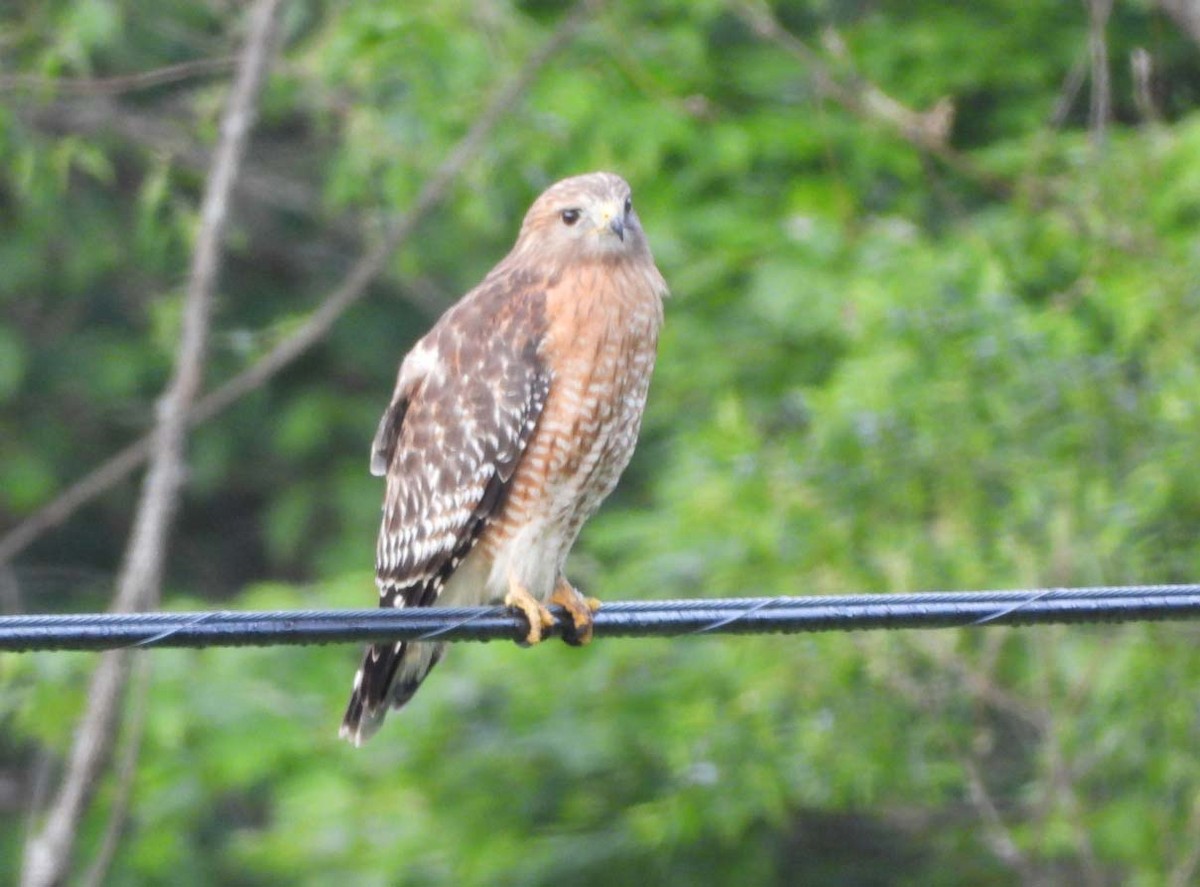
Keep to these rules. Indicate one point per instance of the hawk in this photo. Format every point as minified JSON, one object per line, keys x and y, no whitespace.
{"x":511,"y":421}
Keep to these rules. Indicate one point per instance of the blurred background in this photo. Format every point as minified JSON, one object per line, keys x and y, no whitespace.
{"x":934,"y":325}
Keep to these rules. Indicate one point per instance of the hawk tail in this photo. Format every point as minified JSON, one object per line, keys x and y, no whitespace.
{"x":388,"y":677}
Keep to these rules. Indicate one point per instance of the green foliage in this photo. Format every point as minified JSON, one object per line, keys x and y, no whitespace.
{"x":877,"y":374}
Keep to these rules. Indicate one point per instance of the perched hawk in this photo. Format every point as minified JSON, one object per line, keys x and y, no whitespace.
{"x":511,"y":421}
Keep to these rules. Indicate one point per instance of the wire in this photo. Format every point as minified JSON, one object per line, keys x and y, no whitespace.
{"x":100,"y":631}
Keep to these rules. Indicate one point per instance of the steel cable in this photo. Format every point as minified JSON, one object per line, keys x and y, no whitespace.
{"x":100,"y":631}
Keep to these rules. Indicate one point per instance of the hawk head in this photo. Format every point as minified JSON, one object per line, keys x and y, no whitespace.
{"x":584,"y":217}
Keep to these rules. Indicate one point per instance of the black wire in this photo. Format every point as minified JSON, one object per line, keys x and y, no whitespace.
{"x":98,"y":631}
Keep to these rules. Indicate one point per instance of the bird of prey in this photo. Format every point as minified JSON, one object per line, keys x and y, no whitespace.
{"x":511,"y":421}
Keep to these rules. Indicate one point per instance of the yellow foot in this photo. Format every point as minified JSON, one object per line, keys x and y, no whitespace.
{"x":580,"y":609}
{"x":538,"y":617}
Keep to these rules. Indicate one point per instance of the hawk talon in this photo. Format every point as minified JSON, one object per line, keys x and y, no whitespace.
{"x":534,"y":611}
{"x":580,"y":608}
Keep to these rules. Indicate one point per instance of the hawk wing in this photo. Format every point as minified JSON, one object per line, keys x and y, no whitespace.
{"x":467,"y":400}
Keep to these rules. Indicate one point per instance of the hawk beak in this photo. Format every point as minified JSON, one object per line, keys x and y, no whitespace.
{"x":611,"y":218}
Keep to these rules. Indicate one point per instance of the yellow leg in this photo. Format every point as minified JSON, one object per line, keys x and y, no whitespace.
{"x":580,"y":609}
{"x":538,"y":617}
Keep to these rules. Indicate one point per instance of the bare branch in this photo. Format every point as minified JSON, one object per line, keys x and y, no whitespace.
{"x":1141,"y":65}
{"x":144,"y":560}
{"x":97,"y":481}
{"x":10,"y":591}
{"x":1184,"y":871}
{"x":122,"y":83}
{"x":933,"y":697}
{"x":118,"y":814}
{"x":1100,"y":108}
{"x":1186,"y":14}
{"x":996,"y":833}
{"x":352,"y":288}
{"x":159,"y":134}
{"x":1069,"y":92}
{"x":928,"y":131}
{"x":48,"y":852}
{"x":1062,"y":792}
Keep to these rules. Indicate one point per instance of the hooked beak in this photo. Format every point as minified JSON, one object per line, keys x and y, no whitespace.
{"x":611,"y":218}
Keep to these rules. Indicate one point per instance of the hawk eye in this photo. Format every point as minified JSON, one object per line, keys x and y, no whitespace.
{"x":628,"y":205}
{"x":570,"y":216}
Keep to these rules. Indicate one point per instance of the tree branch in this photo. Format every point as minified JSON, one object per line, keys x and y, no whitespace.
{"x":161,"y":135}
{"x":996,"y":833}
{"x":352,"y":288}
{"x":1184,"y":871}
{"x":1069,"y":92}
{"x":126,"y":772}
{"x":1141,"y":66}
{"x":48,"y":852}
{"x":1100,"y":107}
{"x":1186,"y":14}
{"x":928,"y":131}
{"x":121,"y":83}
{"x":1062,"y":796}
